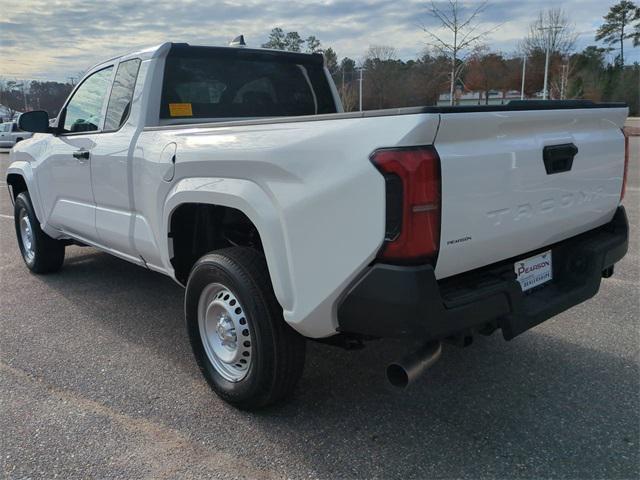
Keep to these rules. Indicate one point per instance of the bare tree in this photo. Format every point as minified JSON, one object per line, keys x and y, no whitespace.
{"x":349,"y":96}
{"x":381,"y":52}
{"x":459,"y":31}
{"x":381,"y":73}
{"x":553,"y":29}
{"x":551,"y":33}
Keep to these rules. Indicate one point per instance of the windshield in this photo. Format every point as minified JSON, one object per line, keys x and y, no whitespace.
{"x":202,"y":82}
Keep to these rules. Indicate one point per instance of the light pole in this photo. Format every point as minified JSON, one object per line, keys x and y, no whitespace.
{"x":545,"y":90}
{"x":360,"y":93}
{"x":524,"y":71}
{"x":565,"y":77}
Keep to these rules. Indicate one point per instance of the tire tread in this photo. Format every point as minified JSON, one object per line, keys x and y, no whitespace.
{"x":287,"y":345}
{"x":49,"y":251}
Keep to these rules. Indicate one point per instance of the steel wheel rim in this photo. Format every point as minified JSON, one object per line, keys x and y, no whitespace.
{"x":26,"y":235}
{"x":225,"y":332}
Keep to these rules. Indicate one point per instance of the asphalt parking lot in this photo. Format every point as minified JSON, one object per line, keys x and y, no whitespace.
{"x":97,"y":381}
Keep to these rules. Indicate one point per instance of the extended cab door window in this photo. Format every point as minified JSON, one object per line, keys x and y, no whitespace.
{"x":84,"y":111}
{"x":121,"y":94}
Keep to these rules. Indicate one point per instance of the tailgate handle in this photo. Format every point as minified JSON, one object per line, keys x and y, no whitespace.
{"x":559,"y":158}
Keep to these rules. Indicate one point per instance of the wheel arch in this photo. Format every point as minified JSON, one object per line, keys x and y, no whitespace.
{"x":17,"y":184}
{"x":253,"y":203}
{"x":19,"y":179}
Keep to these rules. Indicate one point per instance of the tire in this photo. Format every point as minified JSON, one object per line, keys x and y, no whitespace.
{"x":18,"y":139}
{"x":40,"y":252}
{"x":229,"y":293}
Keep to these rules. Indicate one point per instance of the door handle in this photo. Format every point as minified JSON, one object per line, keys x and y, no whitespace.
{"x":81,"y":154}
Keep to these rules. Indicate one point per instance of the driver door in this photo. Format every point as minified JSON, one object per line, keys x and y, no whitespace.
{"x":64,"y":177}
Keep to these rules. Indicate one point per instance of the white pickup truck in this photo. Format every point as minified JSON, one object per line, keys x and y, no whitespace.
{"x":235,"y":172}
{"x":10,"y":134}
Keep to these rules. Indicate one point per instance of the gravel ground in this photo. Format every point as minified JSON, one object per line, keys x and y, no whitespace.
{"x":97,"y":381}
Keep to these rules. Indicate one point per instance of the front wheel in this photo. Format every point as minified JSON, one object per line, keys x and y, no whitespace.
{"x":40,"y":252}
{"x":244,"y":348}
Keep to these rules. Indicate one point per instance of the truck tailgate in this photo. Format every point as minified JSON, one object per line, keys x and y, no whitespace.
{"x":500,"y":200}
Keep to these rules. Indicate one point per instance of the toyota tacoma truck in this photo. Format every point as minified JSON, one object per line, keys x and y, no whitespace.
{"x":236,"y":172}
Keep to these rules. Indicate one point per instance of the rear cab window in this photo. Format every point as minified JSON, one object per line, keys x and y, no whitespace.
{"x":212,"y":83}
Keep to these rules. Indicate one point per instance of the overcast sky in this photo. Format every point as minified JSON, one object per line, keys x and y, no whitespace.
{"x":55,"y":39}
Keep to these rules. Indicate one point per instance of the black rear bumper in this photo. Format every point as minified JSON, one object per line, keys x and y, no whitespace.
{"x":397,"y":301}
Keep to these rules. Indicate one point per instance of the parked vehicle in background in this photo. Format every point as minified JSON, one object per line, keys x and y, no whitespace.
{"x":235,"y":172}
{"x":10,"y":134}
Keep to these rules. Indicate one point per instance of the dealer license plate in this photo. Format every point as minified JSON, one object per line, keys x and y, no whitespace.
{"x":534,"y":271}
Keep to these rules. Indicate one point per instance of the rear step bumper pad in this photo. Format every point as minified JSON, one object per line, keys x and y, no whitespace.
{"x":408,"y":301}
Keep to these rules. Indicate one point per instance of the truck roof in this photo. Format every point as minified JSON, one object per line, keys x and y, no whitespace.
{"x":163,"y":48}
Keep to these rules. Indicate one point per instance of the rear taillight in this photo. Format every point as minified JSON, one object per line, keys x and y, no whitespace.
{"x":412,"y":179}
{"x":626,"y":165}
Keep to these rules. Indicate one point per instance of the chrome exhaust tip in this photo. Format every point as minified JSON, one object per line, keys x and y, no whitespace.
{"x":402,"y":373}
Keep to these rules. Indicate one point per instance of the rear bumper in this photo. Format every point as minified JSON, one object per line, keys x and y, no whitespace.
{"x":396,"y":301}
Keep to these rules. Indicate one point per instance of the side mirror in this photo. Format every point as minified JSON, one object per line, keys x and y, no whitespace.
{"x":36,"y":122}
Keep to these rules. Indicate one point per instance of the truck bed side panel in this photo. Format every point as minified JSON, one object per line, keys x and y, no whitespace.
{"x":323,"y":195}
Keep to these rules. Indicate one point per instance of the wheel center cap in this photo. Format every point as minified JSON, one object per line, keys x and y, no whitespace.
{"x":225,"y":330}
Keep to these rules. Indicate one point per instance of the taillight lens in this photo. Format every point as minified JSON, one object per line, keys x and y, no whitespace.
{"x":412,"y":178}
{"x":626,"y":165}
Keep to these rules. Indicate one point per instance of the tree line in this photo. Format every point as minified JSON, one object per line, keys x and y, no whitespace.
{"x":462,"y":62}
{"x":34,"y":95}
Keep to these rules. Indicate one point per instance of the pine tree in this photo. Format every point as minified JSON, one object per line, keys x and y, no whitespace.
{"x":276,"y":39}
{"x":313,"y":44}
{"x":616,"y":27}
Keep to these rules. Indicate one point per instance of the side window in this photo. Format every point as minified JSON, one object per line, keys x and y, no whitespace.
{"x":14,"y":127}
{"x":84,"y":110}
{"x":121,"y":94}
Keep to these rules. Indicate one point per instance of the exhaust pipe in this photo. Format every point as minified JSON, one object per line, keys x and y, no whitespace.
{"x":403,"y":372}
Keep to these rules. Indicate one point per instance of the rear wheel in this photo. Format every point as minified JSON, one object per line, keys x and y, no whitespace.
{"x":245,"y":349}
{"x":40,"y":252}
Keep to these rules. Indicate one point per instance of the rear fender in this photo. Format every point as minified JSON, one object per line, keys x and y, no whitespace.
{"x":251,"y":200}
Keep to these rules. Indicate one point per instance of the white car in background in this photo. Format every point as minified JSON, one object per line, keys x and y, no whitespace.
{"x":10,"y":134}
